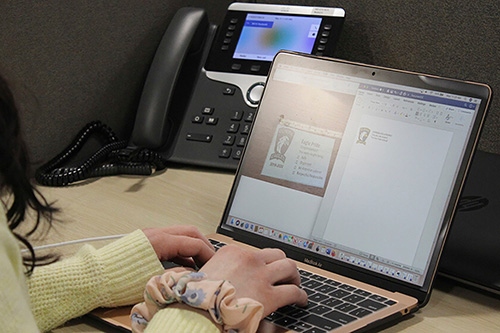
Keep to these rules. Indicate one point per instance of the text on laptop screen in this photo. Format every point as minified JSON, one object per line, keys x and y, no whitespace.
{"x":352,"y":168}
{"x":263,"y":35}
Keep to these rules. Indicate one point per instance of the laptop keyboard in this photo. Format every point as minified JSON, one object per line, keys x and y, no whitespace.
{"x":332,"y":304}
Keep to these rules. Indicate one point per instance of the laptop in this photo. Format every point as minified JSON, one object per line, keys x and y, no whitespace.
{"x":354,"y":171}
{"x":472,"y":250}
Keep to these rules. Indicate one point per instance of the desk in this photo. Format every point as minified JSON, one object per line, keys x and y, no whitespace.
{"x":118,"y":205}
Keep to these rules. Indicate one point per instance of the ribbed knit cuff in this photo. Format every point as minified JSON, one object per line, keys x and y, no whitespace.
{"x":182,"y":318}
{"x":128,"y":264}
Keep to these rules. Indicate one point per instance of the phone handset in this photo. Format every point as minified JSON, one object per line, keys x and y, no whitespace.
{"x":185,"y":34}
{"x":180,"y":47}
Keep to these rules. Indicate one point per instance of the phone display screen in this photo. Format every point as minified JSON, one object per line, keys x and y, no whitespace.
{"x":263,"y":35}
{"x":253,"y":33}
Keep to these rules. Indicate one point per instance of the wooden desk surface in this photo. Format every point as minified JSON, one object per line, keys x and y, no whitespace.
{"x":118,"y":205}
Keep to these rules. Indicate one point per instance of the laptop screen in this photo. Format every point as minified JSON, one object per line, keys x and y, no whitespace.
{"x":355,"y":168}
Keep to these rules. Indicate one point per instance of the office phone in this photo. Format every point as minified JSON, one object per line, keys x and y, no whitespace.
{"x":202,"y":90}
{"x":204,"y":85}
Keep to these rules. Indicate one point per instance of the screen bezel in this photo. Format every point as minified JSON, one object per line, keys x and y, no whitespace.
{"x":387,"y":75}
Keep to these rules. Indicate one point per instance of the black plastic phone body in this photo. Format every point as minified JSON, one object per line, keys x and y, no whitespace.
{"x":205,"y":83}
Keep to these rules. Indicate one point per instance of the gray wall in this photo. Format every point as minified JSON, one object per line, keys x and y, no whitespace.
{"x":76,"y":61}
{"x":453,"y":38}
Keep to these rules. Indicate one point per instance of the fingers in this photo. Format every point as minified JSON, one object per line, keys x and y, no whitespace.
{"x":189,"y":247}
{"x":184,"y":262}
{"x":271,"y":255}
{"x":284,"y":271}
{"x":286,"y":294}
{"x":180,"y":242}
{"x":279,"y":268}
{"x":186,"y":230}
{"x":264,"y":275}
{"x":284,"y":276}
{"x":177,"y":269}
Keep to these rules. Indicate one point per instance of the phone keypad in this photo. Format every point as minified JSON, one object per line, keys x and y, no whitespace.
{"x":236,"y":133}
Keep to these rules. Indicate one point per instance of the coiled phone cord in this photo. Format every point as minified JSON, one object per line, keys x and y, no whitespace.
{"x":114,"y":158}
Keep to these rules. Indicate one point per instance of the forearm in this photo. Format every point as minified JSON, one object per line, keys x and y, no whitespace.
{"x":111,"y":276}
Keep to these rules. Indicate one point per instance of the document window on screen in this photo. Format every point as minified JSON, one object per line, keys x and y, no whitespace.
{"x":345,"y":178}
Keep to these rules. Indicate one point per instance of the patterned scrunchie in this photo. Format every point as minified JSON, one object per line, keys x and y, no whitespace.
{"x":192,"y":288}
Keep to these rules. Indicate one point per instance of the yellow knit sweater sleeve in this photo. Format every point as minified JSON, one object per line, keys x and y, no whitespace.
{"x":15,"y":313}
{"x":182,"y":318}
{"x":114,"y":275}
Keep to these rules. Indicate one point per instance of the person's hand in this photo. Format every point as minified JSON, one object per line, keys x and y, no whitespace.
{"x":265,"y":275}
{"x":184,"y":245}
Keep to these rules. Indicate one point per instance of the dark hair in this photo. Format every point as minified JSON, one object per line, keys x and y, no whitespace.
{"x":15,"y":179}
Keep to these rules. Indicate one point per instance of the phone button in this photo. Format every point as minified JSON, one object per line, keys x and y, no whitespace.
{"x":225,"y":152}
{"x":249,"y":117}
{"x":197,"y":119}
{"x":207,"y":110}
{"x":233,"y":128}
{"x":255,"y":68}
{"x":237,"y":154}
{"x":241,"y":142}
{"x":212,"y":120}
{"x":237,"y":115}
{"x":229,"y":140}
{"x":254,"y":93}
{"x":199,"y":137}
{"x":245,"y":129}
